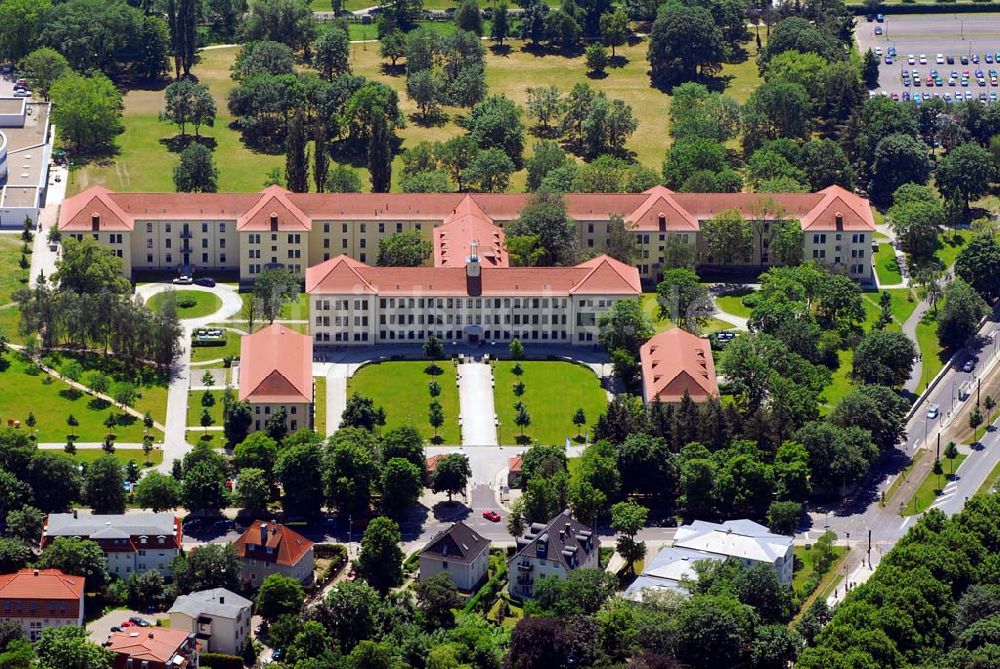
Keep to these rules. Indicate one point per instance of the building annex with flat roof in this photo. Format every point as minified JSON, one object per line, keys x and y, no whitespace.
{"x":25,"y":150}
{"x":248,"y":232}
{"x":675,"y":362}
{"x":275,"y":373}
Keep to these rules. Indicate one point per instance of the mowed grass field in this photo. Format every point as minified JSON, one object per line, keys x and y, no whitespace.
{"x":400,"y":387}
{"x":123,"y":455}
{"x":553,"y":391}
{"x":205,"y":304}
{"x":52,"y":402}
{"x":12,"y":277}
{"x":144,"y":163}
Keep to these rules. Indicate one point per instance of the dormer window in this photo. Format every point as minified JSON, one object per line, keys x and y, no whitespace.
{"x":274,"y":222}
{"x":662,"y":221}
{"x":95,"y":221}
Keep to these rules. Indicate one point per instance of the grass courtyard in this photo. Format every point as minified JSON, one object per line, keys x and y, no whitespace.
{"x":651,"y":308}
{"x":12,"y":277}
{"x":195,"y":407}
{"x":190,"y":303}
{"x":733,"y":304}
{"x":886,"y":265}
{"x":206,"y":353}
{"x":553,"y":391}
{"x":52,"y":402}
{"x":400,"y":387}
{"x":144,"y":160}
{"x":319,"y":405}
{"x":151,"y":384}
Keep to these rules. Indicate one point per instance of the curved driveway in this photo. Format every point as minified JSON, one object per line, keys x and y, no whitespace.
{"x":174,"y":444}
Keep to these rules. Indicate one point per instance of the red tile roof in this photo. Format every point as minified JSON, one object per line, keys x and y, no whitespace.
{"x":287,"y":546}
{"x":432,"y":462}
{"x":41,"y":584}
{"x":468,"y":223}
{"x":276,"y":366}
{"x":598,"y":276}
{"x":297,"y":211}
{"x":154,"y":644}
{"x":514,"y":464}
{"x":675,"y":361}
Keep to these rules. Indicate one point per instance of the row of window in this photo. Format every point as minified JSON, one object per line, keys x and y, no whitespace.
{"x":169,"y":258}
{"x":856,"y":238}
{"x":167,"y":228}
{"x":32,"y":605}
{"x":267,"y":410}
{"x":291,"y":237}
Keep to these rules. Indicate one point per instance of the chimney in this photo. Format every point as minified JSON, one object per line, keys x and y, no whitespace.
{"x":150,"y":635}
{"x":263,"y":534}
{"x":36,"y":572}
{"x":74,"y":514}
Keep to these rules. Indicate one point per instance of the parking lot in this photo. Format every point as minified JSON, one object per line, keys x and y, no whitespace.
{"x":925,"y":37}
{"x":100,"y":629}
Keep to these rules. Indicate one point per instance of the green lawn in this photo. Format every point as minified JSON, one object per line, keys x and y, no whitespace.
{"x":990,"y":480}
{"x":214,"y":438}
{"x":840,"y":383}
{"x":12,"y":277}
{"x":933,"y":354}
{"x":901,"y":477}
{"x":52,"y":402}
{"x":886,"y":266}
{"x":296,"y":310}
{"x":150,"y":383}
{"x":10,"y":318}
{"x":400,"y":387}
{"x":553,"y":391}
{"x":952,"y":242}
{"x":194,"y":407}
{"x":206,"y":353}
{"x":931,"y":487}
{"x":733,"y":304}
{"x":805,"y":566}
{"x":123,"y":455}
{"x":205,"y":304}
{"x":319,"y":404}
{"x":901,"y":307}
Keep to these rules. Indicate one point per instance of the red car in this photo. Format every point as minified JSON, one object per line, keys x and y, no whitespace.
{"x":127,"y":623}
{"x":491,"y":516}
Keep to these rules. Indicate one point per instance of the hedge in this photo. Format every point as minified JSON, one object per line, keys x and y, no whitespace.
{"x":220,"y":661}
{"x":330,"y":551}
{"x":208,"y":342}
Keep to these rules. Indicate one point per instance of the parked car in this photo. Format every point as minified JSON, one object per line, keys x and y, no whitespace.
{"x":950,"y":60}
{"x":127,"y":623}
{"x":141,"y":622}
{"x":491,"y":516}
{"x":206,"y":281}
{"x":969,"y":365}
{"x":183,"y":280}
{"x":933,"y":411}
{"x":878,"y":30}
{"x":22,"y":94}
{"x":939,"y":59}
{"x":116,"y":628}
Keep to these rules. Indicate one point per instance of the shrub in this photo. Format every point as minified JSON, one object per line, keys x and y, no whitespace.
{"x":186,"y":302}
{"x":220,"y":661}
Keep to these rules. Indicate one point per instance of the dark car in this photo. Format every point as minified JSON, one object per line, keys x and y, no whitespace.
{"x":141,"y":622}
{"x":116,"y":628}
{"x":206,"y":281}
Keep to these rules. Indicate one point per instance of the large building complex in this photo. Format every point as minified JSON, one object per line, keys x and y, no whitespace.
{"x":132,"y":542}
{"x":41,"y":598}
{"x":247,"y":232}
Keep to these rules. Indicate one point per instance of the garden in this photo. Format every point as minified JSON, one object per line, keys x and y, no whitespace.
{"x":401,"y":387}
{"x":190,"y":303}
{"x":552,"y":392}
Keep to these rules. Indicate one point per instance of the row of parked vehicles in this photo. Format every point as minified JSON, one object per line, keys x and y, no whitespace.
{"x":955,"y":78}
{"x":959,"y":96}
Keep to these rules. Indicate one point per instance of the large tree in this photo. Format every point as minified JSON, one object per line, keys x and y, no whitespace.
{"x":196,"y":171}
{"x":69,"y":646}
{"x":697,"y":113}
{"x":451,"y":474}
{"x":79,"y":557}
{"x":103,"y":486}
{"x":403,"y":249}
{"x":279,"y":595}
{"x":207,"y":566}
{"x":300,"y":470}
{"x":965,"y":173}
{"x":182,"y":17}
{"x":544,"y":216}
{"x":978,"y":264}
{"x":331,"y":53}
{"x":158,"y":492}
{"x":87,"y":110}
{"x":884,"y":358}
{"x":728,"y":238}
{"x":495,"y":123}
{"x":625,"y":326}
{"x":43,"y":66}
{"x":916,"y":217}
{"x":290,"y":22}
{"x":381,"y":560}
{"x":959,"y":317}
{"x":897,"y":159}
{"x":21,"y":23}
{"x":684,"y":43}
{"x":684,"y":299}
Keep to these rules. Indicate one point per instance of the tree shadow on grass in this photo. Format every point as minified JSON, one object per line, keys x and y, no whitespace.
{"x":452,"y":511}
{"x":71,"y":394}
{"x":98,"y":404}
{"x":178,"y":143}
{"x":390,"y":70}
{"x":523,"y":440}
{"x":434,"y":119}
{"x":617,"y":61}
{"x":501,"y":50}
{"x":597,"y":75}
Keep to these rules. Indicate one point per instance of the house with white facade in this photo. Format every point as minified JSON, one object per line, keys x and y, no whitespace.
{"x":460,"y":552}
{"x":555,"y":548}
{"x":131,"y":542}
{"x":218,"y":618}
{"x":742,"y":539}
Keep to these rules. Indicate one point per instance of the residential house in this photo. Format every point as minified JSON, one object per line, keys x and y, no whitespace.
{"x":154,"y":648}
{"x":272,"y":548}
{"x":131,"y":542}
{"x":675,"y":362}
{"x":220,"y":619}
{"x":555,"y":548}
{"x":671,"y":569}
{"x":41,"y":598}
{"x":276,"y":374}
{"x":460,"y":553}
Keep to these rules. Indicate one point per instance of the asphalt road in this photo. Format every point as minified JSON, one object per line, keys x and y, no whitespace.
{"x":954,"y":35}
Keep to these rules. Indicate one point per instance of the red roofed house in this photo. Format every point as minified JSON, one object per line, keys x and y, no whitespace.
{"x":514,"y":469}
{"x":271,"y":548}
{"x":249,"y":232}
{"x":675,"y":362}
{"x":154,"y":648}
{"x":276,"y":373}
{"x":41,"y":598}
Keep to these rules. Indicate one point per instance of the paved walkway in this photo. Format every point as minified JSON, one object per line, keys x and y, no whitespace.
{"x":42,"y":259}
{"x":175,"y":445}
{"x":475,"y":398}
